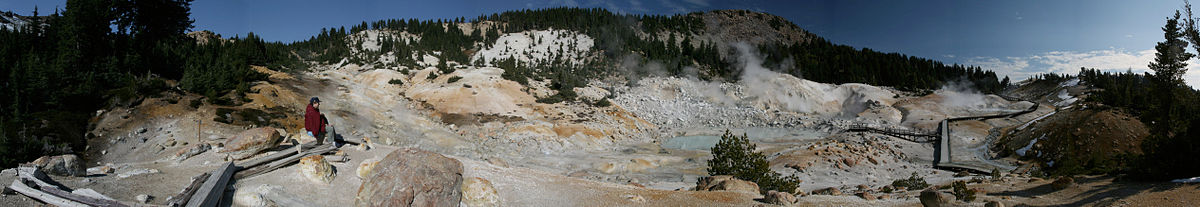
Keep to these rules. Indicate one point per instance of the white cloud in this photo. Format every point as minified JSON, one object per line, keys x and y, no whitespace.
{"x":1069,"y":62}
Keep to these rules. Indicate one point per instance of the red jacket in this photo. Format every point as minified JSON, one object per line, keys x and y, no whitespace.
{"x":313,"y":120}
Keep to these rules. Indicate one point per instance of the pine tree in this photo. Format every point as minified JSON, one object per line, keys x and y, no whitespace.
{"x":735,"y":156}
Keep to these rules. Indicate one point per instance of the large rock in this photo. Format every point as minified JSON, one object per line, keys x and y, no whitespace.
{"x":64,"y":165}
{"x":727,"y":183}
{"x":1062,"y":183}
{"x":315,"y":168}
{"x":780,"y":198}
{"x":365,"y":168}
{"x":828,"y":191}
{"x":251,"y":142}
{"x":932,"y":198}
{"x":478,"y":192}
{"x":412,"y":177}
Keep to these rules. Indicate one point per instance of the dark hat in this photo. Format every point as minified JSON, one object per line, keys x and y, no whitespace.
{"x":314,"y":99}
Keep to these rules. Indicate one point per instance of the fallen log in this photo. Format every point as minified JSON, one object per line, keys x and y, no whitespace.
{"x":213,"y":189}
{"x":184,"y":196}
{"x":48,"y":198}
{"x":43,"y":183}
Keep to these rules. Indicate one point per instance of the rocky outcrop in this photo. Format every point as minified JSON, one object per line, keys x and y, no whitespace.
{"x":365,"y":168}
{"x":412,"y":177}
{"x":251,"y":142}
{"x":780,"y":198}
{"x":64,"y":165}
{"x":478,"y":192}
{"x":932,"y":198}
{"x":727,"y":183}
{"x":315,"y":168}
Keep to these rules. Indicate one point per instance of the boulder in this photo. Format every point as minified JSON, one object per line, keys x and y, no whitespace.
{"x":866,"y":195}
{"x":994,"y":204}
{"x":932,"y":198}
{"x":365,"y":168}
{"x":828,"y":191}
{"x":251,"y":142}
{"x":412,"y":177}
{"x":1062,"y":183}
{"x":727,"y":183}
{"x":63,"y":165}
{"x":315,"y":168}
{"x":478,"y":192}
{"x":779,"y":198}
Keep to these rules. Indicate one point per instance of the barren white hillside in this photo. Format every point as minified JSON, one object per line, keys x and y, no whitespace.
{"x":538,"y":46}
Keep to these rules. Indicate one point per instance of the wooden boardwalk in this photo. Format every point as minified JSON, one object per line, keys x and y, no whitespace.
{"x":942,"y":156}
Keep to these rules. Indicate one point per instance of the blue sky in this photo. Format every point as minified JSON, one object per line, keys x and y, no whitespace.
{"x":1017,"y":38}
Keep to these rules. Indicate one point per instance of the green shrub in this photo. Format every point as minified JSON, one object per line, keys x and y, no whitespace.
{"x":453,"y":79}
{"x":913,"y":182}
{"x":396,"y":81}
{"x":961,"y":192}
{"x":735,"y":156}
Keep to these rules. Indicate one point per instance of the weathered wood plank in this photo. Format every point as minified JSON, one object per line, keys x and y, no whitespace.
{"x":41,"y":182}
{"x":20,"y":187}
{"x":249,"y":172}
{"x":213,"y":189}
{"x":184,"y":196}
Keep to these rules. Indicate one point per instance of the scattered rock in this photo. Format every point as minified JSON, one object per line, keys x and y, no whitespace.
{"x":364,"y":168}
{"x":1062,"y":183}
{"x":251,"y":142}
{"x":828,"y":191}
{"x":315,"y":168}
{"x":478,"y":192}
{"x":497,"y":162}
{"x":188,"y":152}
{"x":862,"y":187}
{"x":727,"y":183}
{"x":866,"y":195}
{"x":994,"y":204}
{"x":578,"y":174}
{"x":137,"y":172}
{"x":143,"y":198}
{"x":412,"y":177}
{"x":779,"y":198}
{"x":169,"y":143}
{"x":635,"y":198}
{"x":64,"y":165}
{"x":885,"y":196}
{"x":99,"y":170}
{"x":608,"y":168}
{"x":932,"y":198}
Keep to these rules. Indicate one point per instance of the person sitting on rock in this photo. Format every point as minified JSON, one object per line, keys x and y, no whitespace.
{"x":314,"y":121}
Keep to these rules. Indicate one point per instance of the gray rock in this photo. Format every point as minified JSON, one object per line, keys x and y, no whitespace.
{"x":932,"y":198}
{"x":143,"y":198}
{"x":412,"y":177}
{"x":251,"y":142}
{"x":727,"y":183}
{"x":780,"y":198}
{"x":64,"y":165}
